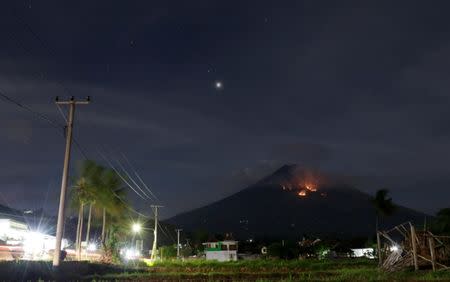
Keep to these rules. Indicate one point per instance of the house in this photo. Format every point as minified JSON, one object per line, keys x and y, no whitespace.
{"x":221,"y":250}
{"x":363,"y":252}
{"x":12,"y":231}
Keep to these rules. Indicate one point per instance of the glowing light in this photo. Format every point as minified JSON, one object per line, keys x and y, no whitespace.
{"x":136,"y":228}
{"x":34,"y":243}
{"x":130,"y":253}
{"x":218,"y":85}
{"x":394,"y":248}
{"x":302,"y":193}
{"x":310,"y":188}
{"x":92,"y":247}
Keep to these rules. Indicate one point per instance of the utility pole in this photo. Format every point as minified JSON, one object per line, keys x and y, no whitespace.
{"x":60,"y":225}
{"x":155,"y":232}
{"x":178,"y":242}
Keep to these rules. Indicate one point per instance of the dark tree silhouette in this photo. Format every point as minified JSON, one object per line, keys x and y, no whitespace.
{"x":383,"y":207}
{"x":441,"y":224}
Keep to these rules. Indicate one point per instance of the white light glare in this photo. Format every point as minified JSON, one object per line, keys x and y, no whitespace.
{"x":394,"y":248}
{"x":136,"y":227}
{"x":130,"y":254}
{"x":92,"y":247}
{"x":34,"y":243}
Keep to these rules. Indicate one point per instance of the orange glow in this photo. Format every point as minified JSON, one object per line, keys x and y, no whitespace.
{"x":303,"y":183}
{"x":310,"y":187}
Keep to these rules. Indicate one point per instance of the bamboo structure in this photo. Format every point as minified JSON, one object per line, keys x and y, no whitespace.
{"x":404,"y":247}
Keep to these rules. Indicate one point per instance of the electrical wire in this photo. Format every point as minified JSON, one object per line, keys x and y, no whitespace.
{"x":132,"y":180}
{"x":52,"y":53}
{"x":121,"y":177}
{"x":128,"y":206}
{"x":61,"y":112}
{"x":41,"y":116}
{"x":140,"y":179}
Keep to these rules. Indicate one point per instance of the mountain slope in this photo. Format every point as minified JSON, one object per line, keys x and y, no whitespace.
{"x":291,"y":202}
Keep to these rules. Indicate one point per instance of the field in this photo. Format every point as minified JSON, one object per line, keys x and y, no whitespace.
{"x":259,"y":270}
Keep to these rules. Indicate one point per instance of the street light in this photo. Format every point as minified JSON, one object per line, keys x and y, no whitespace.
{"x":136,"y":228}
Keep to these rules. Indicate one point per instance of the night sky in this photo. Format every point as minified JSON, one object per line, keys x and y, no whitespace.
{"x":355,"y":88}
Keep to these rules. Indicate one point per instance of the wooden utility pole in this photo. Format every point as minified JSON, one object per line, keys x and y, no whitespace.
{"x":380,"y":258}
{"x":155,"y":232}
{"x":178,"y":242}
{"x":414,"y":247}
{"x":62,"y":198}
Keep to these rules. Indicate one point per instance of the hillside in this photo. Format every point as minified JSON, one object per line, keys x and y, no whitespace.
{"x":291,"y":202}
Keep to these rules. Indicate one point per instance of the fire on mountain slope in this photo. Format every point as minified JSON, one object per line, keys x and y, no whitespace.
{"x":303,"y":182}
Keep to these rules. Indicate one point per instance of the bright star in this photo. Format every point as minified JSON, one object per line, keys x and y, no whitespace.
{"x":218,"y":85}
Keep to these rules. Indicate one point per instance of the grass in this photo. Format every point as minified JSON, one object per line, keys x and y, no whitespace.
{"x":201,"y":270}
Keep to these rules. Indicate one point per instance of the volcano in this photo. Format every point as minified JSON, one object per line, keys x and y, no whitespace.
{"x":290,"y":203}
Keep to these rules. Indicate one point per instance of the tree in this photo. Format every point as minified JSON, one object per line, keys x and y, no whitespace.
{"x":186,"y":251}
{"x":199,"y":237}
{"x":94,"y":177}
{"x":441,"y":224}
{"x":111,"y":198}
{"x":383,"y":207}
{"x":284,"y":250}
{"x":169,"y":251}
{"x":102,"y":190}
{"x":84,"y":192}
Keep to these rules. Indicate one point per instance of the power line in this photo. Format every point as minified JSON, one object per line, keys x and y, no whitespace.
{"x":77,"y":144}
{"x":140,"y":179}
{"x":132,"y":180}
{"x":39,"y":115}
{"x":121,"y":177}
{"x":42,"y":117}
{"x":52,"y":53}
{"x":166,"y":232}
{"x":61,"y":112}
{"x":128,"y":207}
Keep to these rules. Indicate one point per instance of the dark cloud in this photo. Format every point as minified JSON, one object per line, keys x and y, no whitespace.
{"x":352,"y":88}
{"x":301,"y":153}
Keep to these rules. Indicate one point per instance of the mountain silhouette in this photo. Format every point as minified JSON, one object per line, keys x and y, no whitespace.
{"x":292,"y":202}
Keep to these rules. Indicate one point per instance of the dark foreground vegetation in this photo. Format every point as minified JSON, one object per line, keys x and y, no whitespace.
{"x":200,"y":270}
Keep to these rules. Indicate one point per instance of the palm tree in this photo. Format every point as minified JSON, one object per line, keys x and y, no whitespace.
{"x":95,"y":173}
{"x":101,"y":189}
{"x":84,"y":192}
{"x":110,"y":197}
{"x":111,"y":200}
{"x":81,"y":196}
{"x":383,"y":207}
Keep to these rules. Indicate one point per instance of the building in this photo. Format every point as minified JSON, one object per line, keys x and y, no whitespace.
{"x":12,"y":232}
{"x":18,"y":241}
{"x":363,"y":252}
{"x":221,"y":250}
